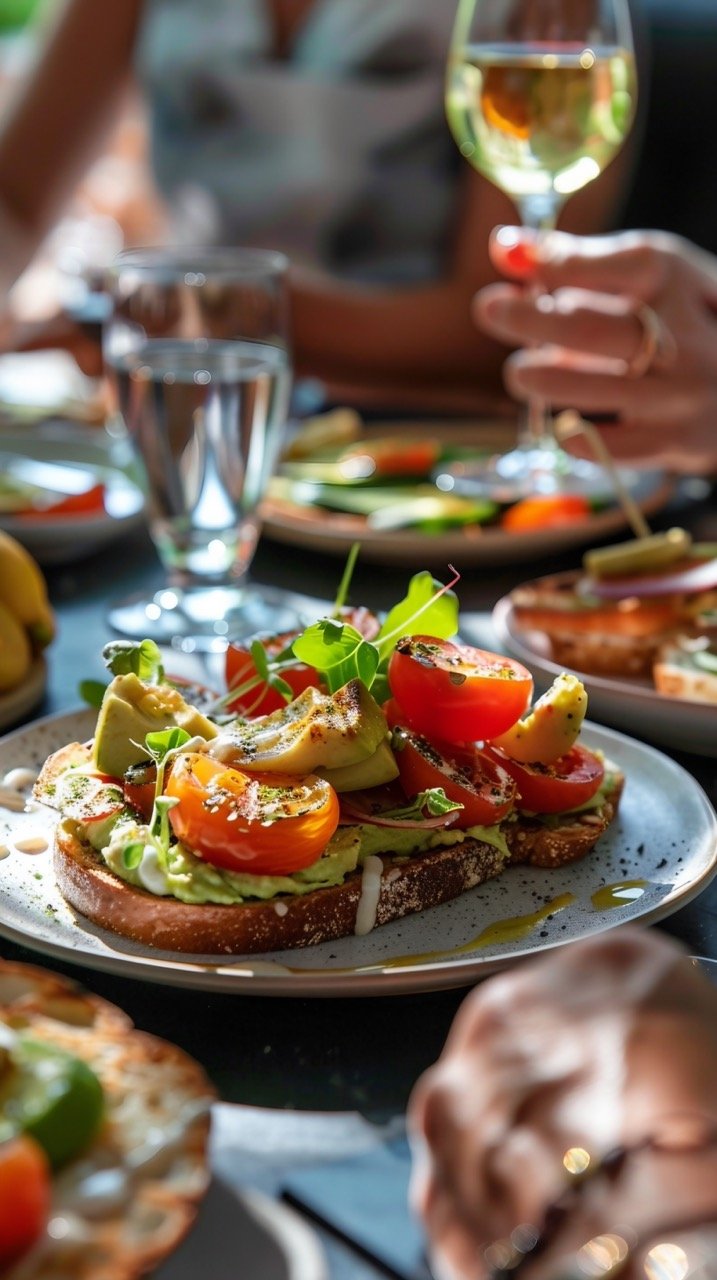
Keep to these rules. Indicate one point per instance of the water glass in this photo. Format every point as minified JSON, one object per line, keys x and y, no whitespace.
{"x":197,"y":349}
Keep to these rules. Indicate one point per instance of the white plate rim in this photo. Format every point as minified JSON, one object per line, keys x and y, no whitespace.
{"x":700,"y":713}
{"x":254,"y":975}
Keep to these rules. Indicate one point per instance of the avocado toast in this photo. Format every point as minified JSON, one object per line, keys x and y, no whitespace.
{"x":342,"y":810}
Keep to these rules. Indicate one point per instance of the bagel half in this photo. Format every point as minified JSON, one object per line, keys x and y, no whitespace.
{"x":151,"y":1146}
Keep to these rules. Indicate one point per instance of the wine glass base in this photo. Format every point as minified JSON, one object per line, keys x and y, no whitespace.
{"x":203,"y":619}
{"x":523,"y":473}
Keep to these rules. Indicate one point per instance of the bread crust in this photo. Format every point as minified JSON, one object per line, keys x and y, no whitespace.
{"x":415,"y":884}
{"x":539,"y":845}
{"x":150,"y":1087}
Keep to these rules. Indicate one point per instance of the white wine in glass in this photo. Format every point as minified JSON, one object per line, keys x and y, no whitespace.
{"x":540,"y":96}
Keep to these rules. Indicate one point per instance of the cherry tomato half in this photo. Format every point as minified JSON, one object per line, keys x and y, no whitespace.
{"x":455,"y":693}
{"x":392,"y":456}
{"x":89,"y":503}
{"x":24,"y":1195}
{"x":469,"y":777}
{"x":139,"y":785}
{"x":552,"y":788}
{"x":266,"y":824}
{"x":546,"y":511}
{"x":262,"y":699}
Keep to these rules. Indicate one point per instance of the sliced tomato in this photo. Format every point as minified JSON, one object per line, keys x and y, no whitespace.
{"x":90,"y":797}
{"x":545,"y":511}
{"x":374,"y":459}
{"x":567,"y":783}
{"x":240,"y":667}
{"x":263,"y":823}
{"x":91,"y":502}
{"x":139,"y":785}
{"x":455,"y":693}
{"x":25,"y":1192}
{"x":470,"y":777}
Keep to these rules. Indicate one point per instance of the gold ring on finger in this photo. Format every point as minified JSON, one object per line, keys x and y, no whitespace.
{"x":657,"y":346}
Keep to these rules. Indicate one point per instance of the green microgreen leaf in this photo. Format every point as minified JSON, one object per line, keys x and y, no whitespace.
{"x":260,"y":659}
{"x":427,"y":601}
{"x":159,"y":825}
{"x":132,"y":854}
{"x":434,"y":800}
{"x":92,"y":692}
{"x":127,"y":657}
{"x":339,"y":652}
{"x":159,"y":744}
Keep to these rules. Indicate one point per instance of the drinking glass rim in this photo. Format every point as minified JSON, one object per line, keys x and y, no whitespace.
{"x":216,"y":261}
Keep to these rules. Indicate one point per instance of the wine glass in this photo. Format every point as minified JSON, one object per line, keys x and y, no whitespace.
{"x":540,"y":96}
{"x":197,"y":349}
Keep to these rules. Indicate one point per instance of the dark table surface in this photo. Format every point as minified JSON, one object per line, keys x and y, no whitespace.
{"x":332,"y":1055}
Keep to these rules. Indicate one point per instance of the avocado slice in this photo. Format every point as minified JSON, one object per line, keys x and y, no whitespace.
{"x":374,"y":771}
{"x":130,"y":710}
{"x":551,"y":728}
{"x":315,"y":731}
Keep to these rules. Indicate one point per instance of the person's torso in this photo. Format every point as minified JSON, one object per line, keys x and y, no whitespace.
{"x":338,"y":152}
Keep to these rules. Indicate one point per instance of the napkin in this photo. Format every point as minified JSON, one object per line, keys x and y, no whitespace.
{"x":364,"y":1200}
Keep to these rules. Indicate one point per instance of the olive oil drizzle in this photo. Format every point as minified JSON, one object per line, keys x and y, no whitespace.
{"x":620,"y":894}
{"x":511,"y":929}
{"x":501,"y":932}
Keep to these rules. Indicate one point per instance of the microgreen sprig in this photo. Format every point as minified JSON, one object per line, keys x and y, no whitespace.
{"x":161,"y":746}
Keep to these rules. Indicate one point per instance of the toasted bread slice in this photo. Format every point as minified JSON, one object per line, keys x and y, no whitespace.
{"x":682,"y":669}
{"x":150,"y":1150}
{"x":406,"y":886}
{"x":567,"y":839}
{"x":388,"y":888}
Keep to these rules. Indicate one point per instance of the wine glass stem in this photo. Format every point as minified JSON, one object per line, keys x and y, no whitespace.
{"x":535,"y":424}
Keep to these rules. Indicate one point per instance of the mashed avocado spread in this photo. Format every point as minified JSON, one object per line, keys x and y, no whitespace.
{"x":190,"y":879}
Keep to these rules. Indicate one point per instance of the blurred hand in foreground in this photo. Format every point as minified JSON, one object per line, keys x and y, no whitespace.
{"x":600,"y":1044}
{"x":622,"y":324}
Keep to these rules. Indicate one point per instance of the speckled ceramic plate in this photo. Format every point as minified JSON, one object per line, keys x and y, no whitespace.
{"x":660,"y":852}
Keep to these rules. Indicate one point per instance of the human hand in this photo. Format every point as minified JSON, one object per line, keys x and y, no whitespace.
{"x":601,"y":1043}
{"x":582,"y":336}
{"x":56,"y":333}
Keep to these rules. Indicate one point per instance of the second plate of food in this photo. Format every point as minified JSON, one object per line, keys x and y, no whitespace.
{"x":626,"y":702}
{"x":381,"y":490}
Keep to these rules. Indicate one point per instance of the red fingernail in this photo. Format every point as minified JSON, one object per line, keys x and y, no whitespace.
{"x":514,"y":252}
